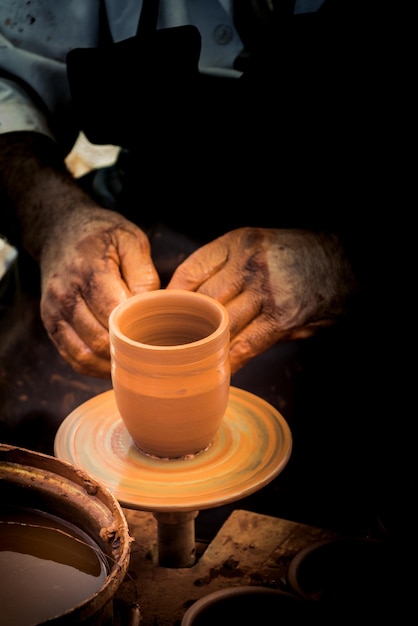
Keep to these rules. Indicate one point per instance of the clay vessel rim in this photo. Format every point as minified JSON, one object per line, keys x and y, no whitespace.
{"x":119,"y":310}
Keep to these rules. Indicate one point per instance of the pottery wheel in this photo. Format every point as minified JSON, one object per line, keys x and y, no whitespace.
{"x":252,"y":447}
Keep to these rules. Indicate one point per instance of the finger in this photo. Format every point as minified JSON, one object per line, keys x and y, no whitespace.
{"x":77,"y":353}
{"x":137,"y":269}
{"x":224,"y":283}
{"x":251,"y":341}
{"x":96,"y":288}
{"x":199,"y":267}
{"x":101,"y":292}
{"x":105,"y":287}
{"x":73,"y":327}
{"x":90,"y":330}
{"x":222,"y":287}
{"x":242,"y":310}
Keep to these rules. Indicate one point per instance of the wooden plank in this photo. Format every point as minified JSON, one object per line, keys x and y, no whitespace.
{"x":249,"y":549}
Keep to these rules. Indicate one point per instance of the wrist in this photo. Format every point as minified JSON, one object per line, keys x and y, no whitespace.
{"x":37,"y":187}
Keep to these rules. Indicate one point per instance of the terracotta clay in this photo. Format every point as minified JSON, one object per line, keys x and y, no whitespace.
{"x":170,"y":370}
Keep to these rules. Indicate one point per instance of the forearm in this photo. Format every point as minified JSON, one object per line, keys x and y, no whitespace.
{"x":36,"y":187}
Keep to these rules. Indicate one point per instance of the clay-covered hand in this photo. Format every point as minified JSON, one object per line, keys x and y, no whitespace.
{"x":277,"y":284}
{"x":92,"y":262}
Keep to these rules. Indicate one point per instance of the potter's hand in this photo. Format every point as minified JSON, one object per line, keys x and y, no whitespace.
{"x":276,"y":284}
{"x":94,"y":261}
{"x":90,"y":258}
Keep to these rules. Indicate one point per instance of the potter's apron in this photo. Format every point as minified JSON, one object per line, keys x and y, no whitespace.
{"x":125,"y":90}
{"x":222,"y":146}
{"x":147,"y":95}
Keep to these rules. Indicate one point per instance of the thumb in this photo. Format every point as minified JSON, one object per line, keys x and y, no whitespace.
{"x":138,"y":270}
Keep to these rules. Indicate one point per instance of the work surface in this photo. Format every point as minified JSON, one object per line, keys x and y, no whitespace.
{"x":249,"y":549}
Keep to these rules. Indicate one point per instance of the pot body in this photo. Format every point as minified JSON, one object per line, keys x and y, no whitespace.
{"x":170,"y":370}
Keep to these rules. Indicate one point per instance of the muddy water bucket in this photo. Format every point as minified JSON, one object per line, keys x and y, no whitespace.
{"x":64,"y":543}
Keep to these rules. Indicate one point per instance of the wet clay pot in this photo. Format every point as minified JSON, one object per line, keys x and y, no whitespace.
{"x":248,"y":606}
{"x":349,"y":579}
{"x":64,"y":543}
{"x":170,"y":370}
